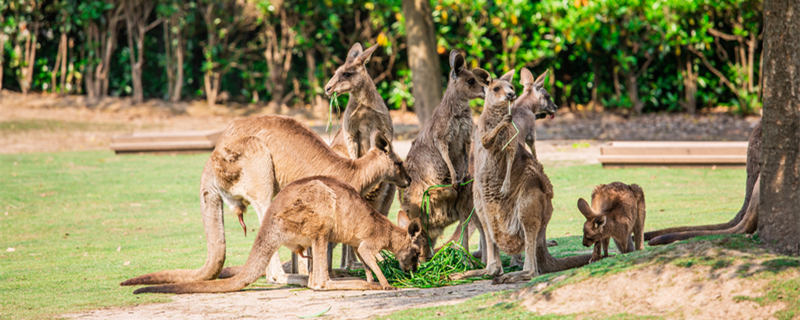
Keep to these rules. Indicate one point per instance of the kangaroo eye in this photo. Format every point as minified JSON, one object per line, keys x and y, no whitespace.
{"x":347,"y":74}
{"x":471,"y":82}
{"x":496,"y":89}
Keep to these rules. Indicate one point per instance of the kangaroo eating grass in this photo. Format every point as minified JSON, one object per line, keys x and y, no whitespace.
{"x":745,"y":221}
{"x":439,"y":155}
{"x":309,"y":213}
{"x":254,"y":159}
{"x":514,"y":221}
{"x":534,"y":103}
{"x":365,"y":115}
{"x":617,"y":210}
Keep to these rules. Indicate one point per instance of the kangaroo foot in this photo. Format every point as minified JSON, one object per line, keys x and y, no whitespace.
{"x":513,"y":277}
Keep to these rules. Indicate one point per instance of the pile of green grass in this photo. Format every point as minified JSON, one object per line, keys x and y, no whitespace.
{"x":452,"y":258}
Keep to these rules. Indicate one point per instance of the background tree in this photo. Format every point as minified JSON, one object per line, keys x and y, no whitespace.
{"x":778,"y":216}
{"x":137,"y":14}
{"x":426,"y":73}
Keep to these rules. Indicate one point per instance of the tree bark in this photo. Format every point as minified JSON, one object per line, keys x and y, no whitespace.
{"x":422,"y":57}
{"x":136,"y":14}
{"x":778,"y":214}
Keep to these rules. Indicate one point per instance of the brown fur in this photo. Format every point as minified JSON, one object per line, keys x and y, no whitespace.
{"x":365,"y":114}
{"x":309,"y":213}
{"x":254,"y":159}
{"x":514,"y":221}
{"x":745,"y":221}
{"x":617,"y":210}
{"x":532,"y":104}
{"x":439,"y":154}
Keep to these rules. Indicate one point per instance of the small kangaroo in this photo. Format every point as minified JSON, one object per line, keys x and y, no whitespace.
{"x":516,"y":220}
{"x":365,"y":114}
{"x":439,"y":155}
{"x":617,"y":210}
{"x":309,"y":213}
{"x":254,"y":159}
{"x":534,"y":103}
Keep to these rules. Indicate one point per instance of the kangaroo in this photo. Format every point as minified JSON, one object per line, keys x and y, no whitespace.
{"x":617,"y":210}
{"x":365,"y":114}
{"x":439,"y":154}
{"x":514,"y":221}
{"x":534,"y":103}
{"x":311,"y":212}
{"x":254,"y":159}
{"x":745,"y":221}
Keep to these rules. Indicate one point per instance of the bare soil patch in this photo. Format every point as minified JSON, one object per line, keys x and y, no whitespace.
{"x":287,"y":303}
{"x":672,"y":289}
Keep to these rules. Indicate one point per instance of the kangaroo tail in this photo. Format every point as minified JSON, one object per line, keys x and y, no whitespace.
{"x":266,"y":244}
{"x":747,"y":224}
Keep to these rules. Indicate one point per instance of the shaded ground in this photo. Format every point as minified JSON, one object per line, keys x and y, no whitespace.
{"x":286,"y":303}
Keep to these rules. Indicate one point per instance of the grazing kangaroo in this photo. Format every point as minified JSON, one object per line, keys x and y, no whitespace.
{"x":617,"y":210}
{"x":365,"y":114}
{"x":309,"y":213}
{"x":745,"y":221}
{"x":439,"y":155}
{"x":534,"y":103}
{"x":253,"y":160}
{"x":514,"y":221}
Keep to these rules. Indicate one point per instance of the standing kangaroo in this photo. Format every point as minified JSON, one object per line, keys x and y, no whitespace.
{"x":534,"y":103}
{"x":253,"y":160}
{"x":516,"y":220}
{"x":617,"y":210}
{"x":309,"y":213}
{"x":439,"y":155}
{"x":365,"y":114}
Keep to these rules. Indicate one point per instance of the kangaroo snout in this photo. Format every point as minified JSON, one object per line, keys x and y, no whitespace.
{"x":328,"y":90}
{"x":511,"y":96}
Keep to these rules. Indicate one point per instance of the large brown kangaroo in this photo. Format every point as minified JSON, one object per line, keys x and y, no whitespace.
{"x":745,"y":221}
{"x":309,"y":213}
{"x":513,"y":221}
{"x":254,"y":159}
{"x":439,"y":155}
{"x":366,"y":114}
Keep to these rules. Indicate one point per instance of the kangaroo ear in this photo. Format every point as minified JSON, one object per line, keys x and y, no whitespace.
{"x":483,"y":76}
{"x":364,"y":56}
{"x":414,"y":229}
{"x":508,"y":76}
{"x":599,"y":221}
{"x":540,"y":80}
{"x":456,"y":63}
{"x":355,"y":52}
{"x":402,"y":219}
{"x":379,"y":141}
{"x":585,"y":209}
{"x":525,"y":77}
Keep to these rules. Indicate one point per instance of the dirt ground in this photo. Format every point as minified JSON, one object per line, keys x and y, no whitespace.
{"x":294,"y":303}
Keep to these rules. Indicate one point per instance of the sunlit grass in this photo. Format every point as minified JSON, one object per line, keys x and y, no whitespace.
{"x":81,"y":222}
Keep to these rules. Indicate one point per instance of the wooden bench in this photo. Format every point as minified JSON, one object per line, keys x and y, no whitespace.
{"x":673,"y":153}
{"x":166,"y":142}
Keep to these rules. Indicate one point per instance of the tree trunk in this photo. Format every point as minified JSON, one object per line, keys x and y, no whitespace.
{"x":2,"y":54}
{"x":632,"y":86}
{"x":422,"y":57}
{"x":778,"y":216}
{"x":689,"y":87}
{"x":178,"y":86}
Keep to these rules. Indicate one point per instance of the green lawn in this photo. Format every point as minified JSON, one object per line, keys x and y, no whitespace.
{"x":81,"y":222}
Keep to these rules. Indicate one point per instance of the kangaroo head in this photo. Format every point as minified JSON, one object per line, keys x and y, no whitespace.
{"x":500,"y":92}
{"x":534,"y":96}
{"x":353,"y":73}
{"x":465,"y":82}
{"x":594,"y":227}
{"x":396,"y":172}
{"x":408,"y":255}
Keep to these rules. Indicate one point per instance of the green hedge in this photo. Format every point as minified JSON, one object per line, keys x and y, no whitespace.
{"x":644,"y":55}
